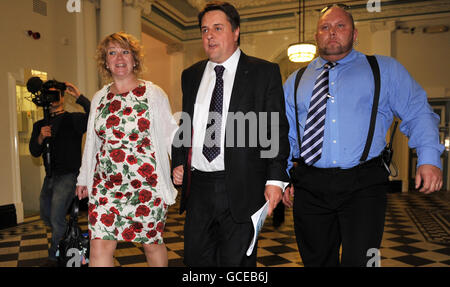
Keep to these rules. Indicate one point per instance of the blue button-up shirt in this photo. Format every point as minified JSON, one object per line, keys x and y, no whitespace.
{"x":351,"y":87}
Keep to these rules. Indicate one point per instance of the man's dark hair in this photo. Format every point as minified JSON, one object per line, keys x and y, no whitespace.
{"x":229,"y":10}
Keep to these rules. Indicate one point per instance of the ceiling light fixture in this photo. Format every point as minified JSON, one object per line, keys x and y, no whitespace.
{"x":301,"y":51}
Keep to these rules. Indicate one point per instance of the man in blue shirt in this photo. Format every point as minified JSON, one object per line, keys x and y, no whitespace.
{"x":338,"y":200}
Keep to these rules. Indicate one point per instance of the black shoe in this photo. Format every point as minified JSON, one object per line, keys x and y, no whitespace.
{"x":48,"y":263}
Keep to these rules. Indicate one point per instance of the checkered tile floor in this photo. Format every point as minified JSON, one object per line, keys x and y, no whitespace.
{"x":417,"y":233}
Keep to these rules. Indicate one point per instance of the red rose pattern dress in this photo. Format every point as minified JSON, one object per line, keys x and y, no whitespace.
{"x":124,"y":203}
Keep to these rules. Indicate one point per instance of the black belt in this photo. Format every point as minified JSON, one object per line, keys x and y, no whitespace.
{"x":209,"y":174}
{"x":376,"y":161}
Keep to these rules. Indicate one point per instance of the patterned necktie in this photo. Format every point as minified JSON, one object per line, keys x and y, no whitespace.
{"x":311,"y":149}
{"x":212,"y":150}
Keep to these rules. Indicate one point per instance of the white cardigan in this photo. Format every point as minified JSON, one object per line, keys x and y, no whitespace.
{"x":163,"y":128}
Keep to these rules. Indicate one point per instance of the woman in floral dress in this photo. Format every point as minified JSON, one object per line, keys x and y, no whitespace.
{"x":125,"y":166}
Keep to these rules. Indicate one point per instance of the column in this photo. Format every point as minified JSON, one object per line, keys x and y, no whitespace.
{"x":110,"y":17}
{"x":132,"y":18}
{"x":382,"y":37}
{"x":176,"y":54}
{"x":91,"y":78}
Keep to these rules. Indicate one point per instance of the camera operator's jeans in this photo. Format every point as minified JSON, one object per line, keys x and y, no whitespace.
{"x":57,"y":194}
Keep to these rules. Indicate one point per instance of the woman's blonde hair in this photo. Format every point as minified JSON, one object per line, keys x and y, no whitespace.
{"x":126,"y":41}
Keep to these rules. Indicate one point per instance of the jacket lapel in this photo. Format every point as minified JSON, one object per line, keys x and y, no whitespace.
{"x":239,"y":91}
{"x":196,"y":79}
{"x":241,"y":81}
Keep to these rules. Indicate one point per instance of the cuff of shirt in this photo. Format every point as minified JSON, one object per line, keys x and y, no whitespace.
{"x":278,"y":183}
{"x":429,"y":156}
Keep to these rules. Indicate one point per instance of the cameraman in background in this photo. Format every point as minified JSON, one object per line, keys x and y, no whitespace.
{"x":64,"y":132}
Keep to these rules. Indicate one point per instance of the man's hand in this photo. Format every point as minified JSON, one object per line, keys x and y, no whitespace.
{"x":81,"y":191}
{"x":72,"y":90}
{"x":273,"y":194}
{"x":288,"y":194}
{"x":431,"y":177}
{"x":177,"y":174}
{"x":46,"y":132}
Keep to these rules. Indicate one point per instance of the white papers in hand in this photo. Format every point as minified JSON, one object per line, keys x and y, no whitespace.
{"x":258,"y":219}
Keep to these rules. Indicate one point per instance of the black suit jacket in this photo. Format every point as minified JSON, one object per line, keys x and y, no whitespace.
{"x":257,"y":88}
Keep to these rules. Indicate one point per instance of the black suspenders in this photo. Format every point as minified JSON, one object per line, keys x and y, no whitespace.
{"x":376,"y":76}
{"x":376,"y":97}
{"x":297,"y":82}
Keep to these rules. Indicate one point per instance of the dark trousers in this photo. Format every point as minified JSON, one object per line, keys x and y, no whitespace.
{"x":278,"y":214}
{"x":334,"y":207}
{"x":211,"y":236}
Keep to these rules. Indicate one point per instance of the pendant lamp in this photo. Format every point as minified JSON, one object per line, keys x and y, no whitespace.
{"x":301,"y":51}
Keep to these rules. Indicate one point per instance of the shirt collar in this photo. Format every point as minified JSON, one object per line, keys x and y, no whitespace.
{"x":321,"y":61}
{"x":230,"y":64}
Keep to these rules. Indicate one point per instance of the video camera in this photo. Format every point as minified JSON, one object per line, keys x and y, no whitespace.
{"x":42,"y":95}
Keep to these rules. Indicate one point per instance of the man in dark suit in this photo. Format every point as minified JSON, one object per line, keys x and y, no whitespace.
{"x":233,"y":103}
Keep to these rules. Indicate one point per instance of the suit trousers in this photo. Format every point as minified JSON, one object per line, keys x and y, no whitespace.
{"x":212,"y":238}
{"x":334,"y":207}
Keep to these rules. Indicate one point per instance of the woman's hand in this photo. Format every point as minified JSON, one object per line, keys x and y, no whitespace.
{"x":81,"y":191}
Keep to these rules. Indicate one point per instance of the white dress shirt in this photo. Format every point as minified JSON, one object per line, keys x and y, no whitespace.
{"x":201,"y":112}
